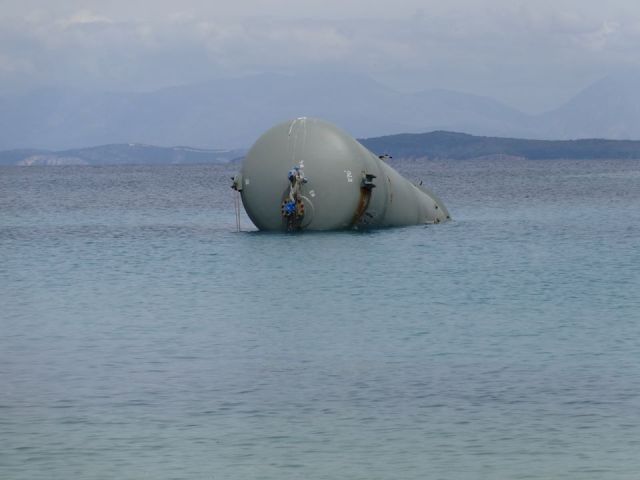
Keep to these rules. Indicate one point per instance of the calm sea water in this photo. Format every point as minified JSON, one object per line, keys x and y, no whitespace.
{"x":141,"y":337}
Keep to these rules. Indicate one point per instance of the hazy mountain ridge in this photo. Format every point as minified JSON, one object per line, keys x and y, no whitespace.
{"x":609,"y":108}
{"x":232,"y":113}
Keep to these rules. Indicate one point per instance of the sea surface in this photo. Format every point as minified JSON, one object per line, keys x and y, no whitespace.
{"x":142,"y":337}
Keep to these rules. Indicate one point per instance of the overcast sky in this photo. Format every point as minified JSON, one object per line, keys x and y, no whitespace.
{"x":529,"y":54}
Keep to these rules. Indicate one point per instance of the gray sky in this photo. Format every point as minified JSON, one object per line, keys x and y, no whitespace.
{"x":530,"y":54}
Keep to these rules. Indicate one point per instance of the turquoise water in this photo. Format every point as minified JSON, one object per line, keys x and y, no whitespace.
{"x":141,"y":337}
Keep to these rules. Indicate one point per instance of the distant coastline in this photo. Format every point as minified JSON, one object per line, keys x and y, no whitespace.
{"x":441,"y":145}
{"x":461,"y":146}
{"x":119,"y":154}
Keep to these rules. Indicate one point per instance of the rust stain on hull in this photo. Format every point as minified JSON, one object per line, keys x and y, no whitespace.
{"x":363,"y":203}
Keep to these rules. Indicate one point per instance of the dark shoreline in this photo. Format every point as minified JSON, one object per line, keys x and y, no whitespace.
{"x":433,"y":145}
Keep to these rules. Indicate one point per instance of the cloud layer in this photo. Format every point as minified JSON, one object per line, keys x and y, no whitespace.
{"x":529,"y":55}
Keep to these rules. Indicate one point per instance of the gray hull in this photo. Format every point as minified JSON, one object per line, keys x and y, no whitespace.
{"x":333,"y":183}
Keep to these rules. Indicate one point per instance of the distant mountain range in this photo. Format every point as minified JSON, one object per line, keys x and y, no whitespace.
{"x":232,"y":113}
{"x":125,"y":154}
{"x":434,"y":145}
